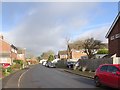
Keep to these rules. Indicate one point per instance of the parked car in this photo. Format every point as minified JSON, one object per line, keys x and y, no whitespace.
{"x":50,"y":64}
{"x":70,"y":64}
{"x":108,"y":74}
{"x":44,"y":63}
{"x":47,"y":64}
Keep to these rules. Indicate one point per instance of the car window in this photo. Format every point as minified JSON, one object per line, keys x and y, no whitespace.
{"x":104,"y":68}
{"x":112,"y":69}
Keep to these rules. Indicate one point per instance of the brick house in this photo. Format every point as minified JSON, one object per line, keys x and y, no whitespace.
{"x":5,"y":51}
{"x":9,"y":52}
{"x":21,"y":54}
{"x":113,"y":36}
{"x":13,"y":52}
{"x":62,"y":55}
{"x":75,"y":51}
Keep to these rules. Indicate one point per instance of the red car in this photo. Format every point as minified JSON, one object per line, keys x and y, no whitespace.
{"x":108,"y":74}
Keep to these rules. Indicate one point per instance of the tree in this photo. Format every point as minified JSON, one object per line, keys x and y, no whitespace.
{"x":38,"y":58}
{"x":51,"y":58}
{"x":45,"y":55}
{"x":91,"y":46}
{"x":102,"y":51}
{"x":67,"y":41}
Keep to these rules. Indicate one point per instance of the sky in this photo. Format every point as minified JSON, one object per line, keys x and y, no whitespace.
{"x":43,"y":26}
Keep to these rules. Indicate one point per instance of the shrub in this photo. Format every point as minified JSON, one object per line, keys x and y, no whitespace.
{"x":18,"y":62}
{"x":51,"y":58}
{"x":102,"y":51}
{"x":16,"y":66}
{"x":9,"y":69}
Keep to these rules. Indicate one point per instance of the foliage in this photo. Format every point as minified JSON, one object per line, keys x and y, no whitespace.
{"x":51,"y":58}
{"x":18,"y":62}
{"x":102,"y":51}
{"x":9,"y":69}
{"x":6,"y":71}
{"x":91,"y":46}
{"x":39,"y":58}
{"x":16,"y":66}
{"x":45,"y":55}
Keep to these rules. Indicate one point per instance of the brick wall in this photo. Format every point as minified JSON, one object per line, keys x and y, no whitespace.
{"x":5,"y":47}
{"x":114,"y":44}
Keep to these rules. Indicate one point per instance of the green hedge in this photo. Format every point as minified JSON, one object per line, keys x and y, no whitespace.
{"x":18,"y":62}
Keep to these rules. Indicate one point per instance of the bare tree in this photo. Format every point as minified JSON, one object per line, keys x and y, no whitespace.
{"x":67,"y":41}
{"x":91,"y":46}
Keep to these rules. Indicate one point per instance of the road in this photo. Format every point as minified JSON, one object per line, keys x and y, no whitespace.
{"x":42,"y":77}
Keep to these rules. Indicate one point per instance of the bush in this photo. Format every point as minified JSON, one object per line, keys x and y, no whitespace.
{"x":16,"y":66}
{"x":102,"y":51}
{"x":51,"y":58}
{"x":9,"y":69}
{"x":18,"y":62}
{"x":6,"y":71}
{"x":61,"y":64}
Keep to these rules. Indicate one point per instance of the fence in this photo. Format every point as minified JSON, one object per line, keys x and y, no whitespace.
{"x":93,"y":64}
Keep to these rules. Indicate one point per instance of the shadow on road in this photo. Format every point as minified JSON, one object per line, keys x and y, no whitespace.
{"x":91,"y":82}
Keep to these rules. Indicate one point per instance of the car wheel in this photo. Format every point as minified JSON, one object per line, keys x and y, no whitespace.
{"x":97,"y":82}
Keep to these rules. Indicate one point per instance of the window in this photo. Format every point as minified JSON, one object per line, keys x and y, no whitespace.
{"x":112,"y":69}
{"x":104,"y":68}
{"x":112,"y":38}
{"x":117,"y":36}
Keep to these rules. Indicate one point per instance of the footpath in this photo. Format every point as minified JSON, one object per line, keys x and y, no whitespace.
{"x":80,"y":73}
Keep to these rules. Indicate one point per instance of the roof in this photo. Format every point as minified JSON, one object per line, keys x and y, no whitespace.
{"x":62,"y":52}
{"x":14,"y":47}
{"x":74,"y":46}
{"x":113,"y":24}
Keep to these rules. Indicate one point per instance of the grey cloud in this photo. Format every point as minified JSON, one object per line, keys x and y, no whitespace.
{"x":45,"y":28}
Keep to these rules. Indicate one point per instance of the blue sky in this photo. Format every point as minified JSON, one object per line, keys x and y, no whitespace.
{"x":43,"y":26}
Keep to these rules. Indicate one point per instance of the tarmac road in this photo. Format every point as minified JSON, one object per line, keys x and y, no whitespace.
{"x":42,"y":77}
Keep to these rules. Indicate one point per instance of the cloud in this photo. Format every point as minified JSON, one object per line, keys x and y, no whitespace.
{"x":45,"y":27}
{"x":98,"y":33}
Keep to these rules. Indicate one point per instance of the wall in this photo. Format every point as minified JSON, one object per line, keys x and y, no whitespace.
{"x":93,"y":64}
{"x":115,"y":42}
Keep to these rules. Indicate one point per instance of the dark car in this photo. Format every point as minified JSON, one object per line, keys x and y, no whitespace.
{"x":70,"y":64}
{"x":108,"y":74}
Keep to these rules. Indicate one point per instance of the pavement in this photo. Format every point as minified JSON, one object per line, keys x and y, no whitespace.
{"x":80,"y":73}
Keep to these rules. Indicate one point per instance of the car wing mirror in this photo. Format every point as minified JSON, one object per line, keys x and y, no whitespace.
{"x":118,"y":73}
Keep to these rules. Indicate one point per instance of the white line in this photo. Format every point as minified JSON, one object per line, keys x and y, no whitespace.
{"x":20,"y":78}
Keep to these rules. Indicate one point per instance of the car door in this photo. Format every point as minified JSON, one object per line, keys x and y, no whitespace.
{"x":112,"y":78}
{"x":103,"y":74}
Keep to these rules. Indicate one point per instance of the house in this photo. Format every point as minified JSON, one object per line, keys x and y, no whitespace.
{"x":62,"y":55}
{"x":5,"y":51}
{"x":75,"y":51}
{"x":113,"y":36}
{"x":13,"y":52}
{"x":9,"y":52}
{"x":21,"y":54}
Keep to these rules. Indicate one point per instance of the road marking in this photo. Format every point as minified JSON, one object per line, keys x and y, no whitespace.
{"x":19,"y":80}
